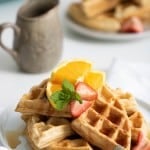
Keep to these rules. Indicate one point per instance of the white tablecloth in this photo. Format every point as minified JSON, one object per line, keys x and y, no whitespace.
{"x":133,"y":77}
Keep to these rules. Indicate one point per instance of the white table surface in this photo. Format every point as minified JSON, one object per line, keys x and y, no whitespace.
{"x":14,"y":83}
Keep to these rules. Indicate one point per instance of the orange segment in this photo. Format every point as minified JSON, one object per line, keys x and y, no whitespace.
{"x":95,"y":79}
{"x":55,"y":87}
{"x":52,"y":87}
{"x":71,"y":71}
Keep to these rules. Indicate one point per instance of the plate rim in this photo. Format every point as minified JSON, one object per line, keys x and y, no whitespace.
{"x":103,"y":35}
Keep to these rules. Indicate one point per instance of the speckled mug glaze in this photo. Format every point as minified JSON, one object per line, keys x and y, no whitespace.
{"x":37,"y":45}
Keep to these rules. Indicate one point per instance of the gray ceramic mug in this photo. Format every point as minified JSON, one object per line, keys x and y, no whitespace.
{"x":37,"y":45}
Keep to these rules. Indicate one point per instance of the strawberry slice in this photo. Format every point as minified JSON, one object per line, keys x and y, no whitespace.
{"x":142,"y":143}
{"x":140,"y":137}
{"x":77,"y":109}
{"x":133,"y":24}
{"x":85,"y":91}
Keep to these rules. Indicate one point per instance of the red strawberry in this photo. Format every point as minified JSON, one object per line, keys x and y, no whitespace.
{"x":133,"y":24}
{"x":142,"y":143}
{"x":77,"y":109}
{"x":85,"y":91}
{"x":140,"y":137}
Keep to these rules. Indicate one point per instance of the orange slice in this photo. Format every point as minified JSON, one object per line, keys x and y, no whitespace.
{"x":52,"y":87}
{"x":71,"y":71}
{"x":95,"y":79}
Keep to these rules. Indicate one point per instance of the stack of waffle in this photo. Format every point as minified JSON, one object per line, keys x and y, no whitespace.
{"x":112,"y":122}
{"x":108,"y":15}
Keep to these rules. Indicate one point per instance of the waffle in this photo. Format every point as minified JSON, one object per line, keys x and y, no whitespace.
{"x":138,"y":125}
{"x":127,"y":101}
{"x":36,"y":102}
{"x":136,"y":118}
{"x":142,"y":2}
{"x":95,"y":7}
{"x":112,"y":122}
{"x":123,"y":12}
{"x":42,"y":132}
{"x":103,"y":22}
{"x":70,"y":144}
{"x":105,"y":124}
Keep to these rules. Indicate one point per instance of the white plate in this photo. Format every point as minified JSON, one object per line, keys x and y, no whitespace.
{"x":105,"y":35}
{"x":11,"y":121}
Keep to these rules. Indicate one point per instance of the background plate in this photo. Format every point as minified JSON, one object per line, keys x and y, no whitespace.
{"x":106,"y":35}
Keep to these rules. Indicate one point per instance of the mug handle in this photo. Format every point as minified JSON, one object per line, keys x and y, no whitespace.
{"x":16,"y":29}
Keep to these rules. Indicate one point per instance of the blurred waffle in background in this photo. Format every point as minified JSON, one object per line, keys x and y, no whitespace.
{"x":111,"y":15}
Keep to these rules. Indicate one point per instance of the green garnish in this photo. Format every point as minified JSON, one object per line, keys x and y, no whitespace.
{"x":62,"y":98}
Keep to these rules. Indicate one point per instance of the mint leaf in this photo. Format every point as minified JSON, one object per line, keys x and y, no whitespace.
{"x":56,"y":95}
{"x":77,"y":97}
{"x":62,"y":98}
{"x":67,"y":86}
{"x":59,"y":100}
{"x":61,"y":104}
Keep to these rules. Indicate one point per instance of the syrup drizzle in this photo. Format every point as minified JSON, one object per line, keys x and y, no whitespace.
{"x":13,"y":138}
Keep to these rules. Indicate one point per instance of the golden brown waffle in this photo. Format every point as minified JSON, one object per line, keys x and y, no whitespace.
{"x":114,"y":118}
{"x":104,"y":22}
{"x":66,"y":144}
{"x":123,"y":12}
{"x":105,"y":124}
{"x":42,"y":133}
{"x":70,"y":144}
{"x":96,"y":7}
{"x":31,"y":143}
{"x":36,"y":102}
{"x":136,"y":119}
{"x":127,"y":101}
{"x":137,"y":123}
{"x":142,"y":2}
